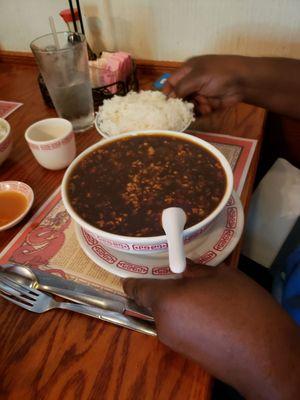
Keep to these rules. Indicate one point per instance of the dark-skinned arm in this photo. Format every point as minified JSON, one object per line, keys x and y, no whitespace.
{"x":218,"y":81}
{"x":230,"y":325}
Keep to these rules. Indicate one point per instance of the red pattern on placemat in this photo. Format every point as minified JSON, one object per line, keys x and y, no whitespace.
{"x":8,"y":107}
{"x":43,"y":242}
{"x":55,"y":271}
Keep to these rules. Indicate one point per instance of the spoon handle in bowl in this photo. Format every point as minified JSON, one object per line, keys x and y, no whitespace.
{"x":173,"y":221}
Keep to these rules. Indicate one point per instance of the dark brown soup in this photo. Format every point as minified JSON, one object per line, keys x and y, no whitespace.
{"x":124,"y":186}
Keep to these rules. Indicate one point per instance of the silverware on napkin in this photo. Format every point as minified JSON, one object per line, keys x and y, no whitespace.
{"x":36,"y":301}
{"x":73,"y":291}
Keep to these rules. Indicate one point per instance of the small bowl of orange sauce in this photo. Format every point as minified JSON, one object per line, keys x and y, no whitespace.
{"x":16,"y":199}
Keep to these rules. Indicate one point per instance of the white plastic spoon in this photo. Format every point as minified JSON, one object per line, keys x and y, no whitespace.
{"x":173,"y":221}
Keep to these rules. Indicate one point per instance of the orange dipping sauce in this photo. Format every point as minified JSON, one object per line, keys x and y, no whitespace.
{"x":12,"y":205}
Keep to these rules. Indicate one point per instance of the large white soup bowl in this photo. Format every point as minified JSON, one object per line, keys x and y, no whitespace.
{"x":152,"y":244}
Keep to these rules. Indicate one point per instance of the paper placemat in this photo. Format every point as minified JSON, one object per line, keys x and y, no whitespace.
{"x":238,"y":151}
{"x":48,"y":241}
{"x":8,"y":107}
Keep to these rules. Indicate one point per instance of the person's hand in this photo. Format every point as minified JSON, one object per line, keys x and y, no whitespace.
{"x":214,"y":82}
{"x":219,"y":81}
{"x":229,"y":324}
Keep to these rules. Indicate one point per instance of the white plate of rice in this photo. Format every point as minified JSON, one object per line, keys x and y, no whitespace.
{"x":146,"y":110}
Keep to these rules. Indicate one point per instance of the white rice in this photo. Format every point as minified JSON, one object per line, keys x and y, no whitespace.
{"x":145,"y":110}
{"x":3,"y":130}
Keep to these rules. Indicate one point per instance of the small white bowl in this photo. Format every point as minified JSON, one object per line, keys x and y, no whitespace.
{"x":108,"y":135}
{"x":151,"y":244}
{"x":5,"y":140}
{"x":21,"y":187}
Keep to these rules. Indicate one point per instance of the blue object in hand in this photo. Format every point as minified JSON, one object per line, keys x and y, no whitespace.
{"x":161,"y":81}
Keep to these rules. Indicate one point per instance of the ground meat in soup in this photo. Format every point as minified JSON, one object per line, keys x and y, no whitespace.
{"x":124,"y":186}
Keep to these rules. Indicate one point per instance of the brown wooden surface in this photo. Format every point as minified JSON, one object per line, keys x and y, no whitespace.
{"x":27,"y":58}
{"x":60,"y":355}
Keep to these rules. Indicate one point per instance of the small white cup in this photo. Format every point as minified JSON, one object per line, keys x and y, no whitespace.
{"x":5,"y":140}
{"x":52,"y":142}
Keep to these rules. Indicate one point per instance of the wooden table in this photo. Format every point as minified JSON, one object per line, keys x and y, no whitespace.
{"x":60,"y":355}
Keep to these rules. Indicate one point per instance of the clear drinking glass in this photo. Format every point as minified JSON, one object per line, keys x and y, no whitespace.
{"x":63,"y":63}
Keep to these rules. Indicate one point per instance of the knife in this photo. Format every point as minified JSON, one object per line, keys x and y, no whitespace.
{"x":83,"y":294}
{"x":105,"y":315}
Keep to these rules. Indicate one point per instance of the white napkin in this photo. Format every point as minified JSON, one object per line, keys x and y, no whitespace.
{"x":274,"y":208}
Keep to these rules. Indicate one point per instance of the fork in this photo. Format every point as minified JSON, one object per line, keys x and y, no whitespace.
{"x":36,"y":301}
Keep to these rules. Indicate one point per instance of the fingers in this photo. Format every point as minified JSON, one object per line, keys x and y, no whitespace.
{"x":190,"y":84}
{"x":184,"y":81}
{"x":168,"y":89}
{"x":149,"y":292}
{"x":194,"y":270}
{"x":173,"y":80}
{"x":215,"y":103}
{"x":202,"y":104}
{"x":207,"y":105}
{"x":145,"y":292}
{"x":231,"y":100}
